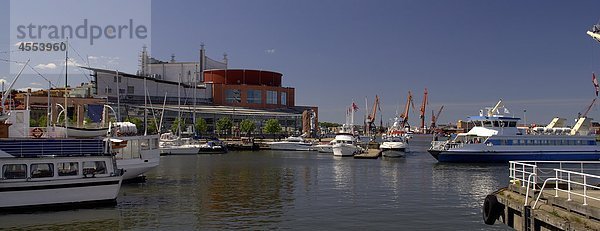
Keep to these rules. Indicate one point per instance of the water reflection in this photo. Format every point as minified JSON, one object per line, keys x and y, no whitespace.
{"x":472,"y":182}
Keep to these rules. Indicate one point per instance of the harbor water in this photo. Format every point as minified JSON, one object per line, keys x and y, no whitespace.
{"x":291,"y":190}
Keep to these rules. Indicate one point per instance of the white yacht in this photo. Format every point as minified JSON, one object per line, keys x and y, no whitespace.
{"x":292,"y":143}
{"x":394,"y":146}
{"x":395,"y":141}
{"x":325,"y":147}
{"x":135,"y":154}
{"x":346,"y":145}
{"x":43,"y":175}
{"x":496,"y":138}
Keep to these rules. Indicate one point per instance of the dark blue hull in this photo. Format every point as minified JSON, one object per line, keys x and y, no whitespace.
{"x":491,"y":157}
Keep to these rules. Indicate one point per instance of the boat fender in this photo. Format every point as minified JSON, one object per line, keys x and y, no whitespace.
{"x":492,"y":209}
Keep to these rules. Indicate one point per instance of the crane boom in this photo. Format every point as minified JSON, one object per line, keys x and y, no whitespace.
{"x":409,"y":102}
{"x":588,"y":108}
{"x":435,"y":117}
{"x":423,"y":105}
{"x":371,"y":117}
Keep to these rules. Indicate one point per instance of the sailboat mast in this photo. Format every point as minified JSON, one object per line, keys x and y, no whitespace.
{"x":66,"y":84}
{"x":145,"y":109}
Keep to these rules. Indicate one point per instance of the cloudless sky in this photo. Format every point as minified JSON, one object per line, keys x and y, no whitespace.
{"x":469,"y":54}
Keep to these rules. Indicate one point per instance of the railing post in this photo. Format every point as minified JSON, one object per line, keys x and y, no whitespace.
{"x":584,"y":189}
{"x":534,"y":178}
{"x":569,"y":186}
{"x":556,"y":183}
{"x":523,"y":177}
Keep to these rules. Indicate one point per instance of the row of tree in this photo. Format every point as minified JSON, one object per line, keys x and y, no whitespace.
{"x":222,"y":126}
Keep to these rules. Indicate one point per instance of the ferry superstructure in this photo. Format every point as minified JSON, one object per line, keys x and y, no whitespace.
{"x":496,"y":138}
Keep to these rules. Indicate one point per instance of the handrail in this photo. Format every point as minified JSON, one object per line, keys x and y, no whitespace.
{"x":578,"y":178}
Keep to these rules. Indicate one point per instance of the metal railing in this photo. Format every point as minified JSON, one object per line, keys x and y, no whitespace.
{"x":575,"y":175}
{"x":444,"y":145}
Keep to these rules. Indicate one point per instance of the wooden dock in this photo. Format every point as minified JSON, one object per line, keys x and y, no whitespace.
{"x":369,"y":154}
{"x":572,"y":205}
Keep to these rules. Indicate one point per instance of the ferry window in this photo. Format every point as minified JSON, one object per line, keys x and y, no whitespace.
{"x":496,"y":124}
{"x":68,"y":169}
{"x":145,"y":144}
{"x":42,"y":170}
{"x":154,"y":144}
{"x":14,"y":171}
{"x":487,"y":123}
{"x":512,"y":124}
{"x":94,"y":167}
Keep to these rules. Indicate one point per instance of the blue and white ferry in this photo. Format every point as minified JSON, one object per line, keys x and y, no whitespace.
{"x":496,"y":138}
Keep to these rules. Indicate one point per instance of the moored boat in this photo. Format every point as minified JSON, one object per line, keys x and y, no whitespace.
{"x":292,"y":143}
{"x":346,"y":145}
{"x":56,"y":180}
{"x":496,"y":138}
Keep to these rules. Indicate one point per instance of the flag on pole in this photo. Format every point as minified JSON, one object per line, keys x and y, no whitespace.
{"x":595,"y":82}
{"x":354,"y":107}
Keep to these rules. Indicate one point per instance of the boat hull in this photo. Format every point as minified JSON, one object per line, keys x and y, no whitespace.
{"x":344,"y":150}
{"x":87,"y":190}
{"x":393,"y":152}
{"x":207,"y":150}
{"x":290,"y":146}
{"x":501,"y":157}
{"x":180,"y":150}
{"x":324,"y":148}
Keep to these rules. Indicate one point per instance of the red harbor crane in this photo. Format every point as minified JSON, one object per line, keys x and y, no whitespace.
{"x":422,"y":115}
{"x":404,"y":116}
{"x":434,"y":117}
{"x":371,"y":117}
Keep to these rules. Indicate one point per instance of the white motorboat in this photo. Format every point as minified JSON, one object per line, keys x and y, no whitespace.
{"x":292,"y":143}
{"x":213,"y":147}
{"x":326,"y":147}
{"x":346,"y":145}
{"x":395,"y":141}
{"x":394,"y":146}
{"x":33,"y":180}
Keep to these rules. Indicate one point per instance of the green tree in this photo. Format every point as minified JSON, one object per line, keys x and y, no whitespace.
{"x":329,"y":124}
{"x":200,"y":126}
{"x":247,"y":126}
{"x":272,"y":126}
{"x":33,"y":122}
{"x":42,"y":121}
{"x":175,"y":125}
{"x":152,"y":129}
{"x":224,"y":124}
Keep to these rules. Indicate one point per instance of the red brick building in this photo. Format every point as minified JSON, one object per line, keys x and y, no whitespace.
{"x":249,"y":88}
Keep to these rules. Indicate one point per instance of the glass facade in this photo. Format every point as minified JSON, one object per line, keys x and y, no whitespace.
{"x":254,"y":96}
{"x":283,"y":98}
{"x":232,"y":95}
{"x":271,"y":97}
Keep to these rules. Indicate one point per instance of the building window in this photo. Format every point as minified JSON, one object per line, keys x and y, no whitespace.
{"x":115,"y":79}
{"x":130,"y":90}
{"x":121,"y":91}
{"x":283,"y":98}
{"x":232,"y":96}
{"x":255,"y":96}
{"x":271,"y":97}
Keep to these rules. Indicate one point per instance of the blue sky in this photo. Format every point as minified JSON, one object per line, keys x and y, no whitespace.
{"x":533,"y":54}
